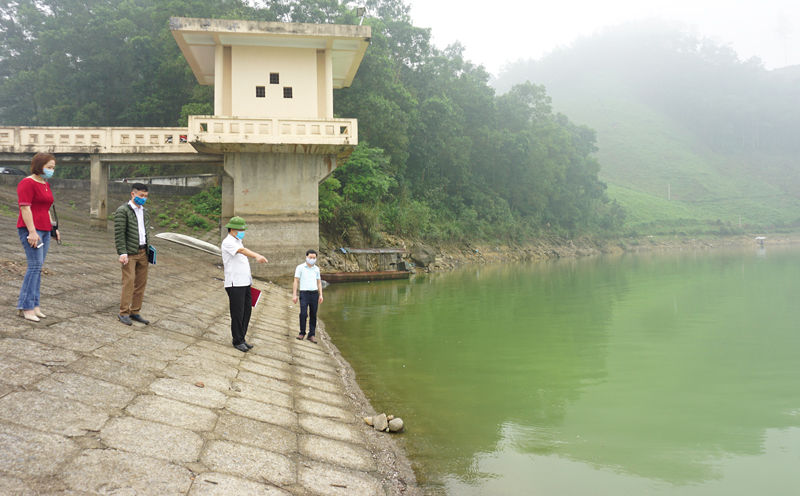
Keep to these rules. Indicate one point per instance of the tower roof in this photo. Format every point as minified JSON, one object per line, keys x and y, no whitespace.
{"x":198,"y":38}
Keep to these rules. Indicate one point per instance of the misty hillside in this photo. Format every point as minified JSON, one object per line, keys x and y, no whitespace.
{"x":680,"y":115}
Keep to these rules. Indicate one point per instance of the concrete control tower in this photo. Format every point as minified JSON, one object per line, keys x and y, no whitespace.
{"x":272,"y":130}
{"x":273,"y":122}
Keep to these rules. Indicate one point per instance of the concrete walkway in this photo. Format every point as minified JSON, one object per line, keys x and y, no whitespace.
{"x":91,"y":406}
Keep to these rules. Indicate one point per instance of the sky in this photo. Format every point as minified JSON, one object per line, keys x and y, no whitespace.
{"x":500,"y":31}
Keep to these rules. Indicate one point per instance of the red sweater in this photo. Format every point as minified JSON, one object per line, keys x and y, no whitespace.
{"x":39,"y":197}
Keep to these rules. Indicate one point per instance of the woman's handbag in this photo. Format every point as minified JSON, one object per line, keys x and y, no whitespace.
{"x":53,"y":233}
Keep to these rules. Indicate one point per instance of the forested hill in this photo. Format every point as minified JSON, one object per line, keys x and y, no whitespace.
{"x":680,"y":116}
{"x":441,"y":157}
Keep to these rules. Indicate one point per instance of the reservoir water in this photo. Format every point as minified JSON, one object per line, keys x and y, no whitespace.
{"x":672,"y":373}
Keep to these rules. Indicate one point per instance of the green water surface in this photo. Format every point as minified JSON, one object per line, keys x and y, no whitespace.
{"x":668,"y":373}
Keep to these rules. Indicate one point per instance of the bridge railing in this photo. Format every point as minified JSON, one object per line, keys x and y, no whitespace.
{"x":214,"y":129}
{"x":23,"y":139}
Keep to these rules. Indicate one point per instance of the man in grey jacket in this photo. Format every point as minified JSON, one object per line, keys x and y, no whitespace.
{"x":132,"y":238}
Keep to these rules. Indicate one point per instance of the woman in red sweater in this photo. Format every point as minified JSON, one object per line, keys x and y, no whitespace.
{"x":35,"y":198}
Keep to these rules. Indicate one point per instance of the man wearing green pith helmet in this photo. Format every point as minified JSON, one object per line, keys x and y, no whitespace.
{"x":238,"y":280}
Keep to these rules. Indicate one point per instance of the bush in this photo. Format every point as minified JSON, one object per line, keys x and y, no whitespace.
{"x":198,"y":222}
{"x":208,"y":202}
{"x":406,"y":218}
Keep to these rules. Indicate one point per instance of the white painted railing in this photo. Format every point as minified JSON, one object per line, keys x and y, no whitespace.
{"x":212,"y":129}
{"x":94,"y":140}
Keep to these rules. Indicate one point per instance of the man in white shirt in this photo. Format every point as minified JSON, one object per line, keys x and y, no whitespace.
{"x":238,"y":280}
{"x":308,"y":280}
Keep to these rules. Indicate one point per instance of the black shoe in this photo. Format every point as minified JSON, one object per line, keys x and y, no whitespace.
{"x":125,"y":319}
{"x":139,"y":318}
{"x":249,"y":346}
{"x":241,"y":347}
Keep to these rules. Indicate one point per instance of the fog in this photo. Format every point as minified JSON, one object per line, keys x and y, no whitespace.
{"x":506,"y":30}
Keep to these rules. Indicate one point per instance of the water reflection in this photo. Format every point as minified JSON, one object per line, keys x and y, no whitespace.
{"x":658,"y":366}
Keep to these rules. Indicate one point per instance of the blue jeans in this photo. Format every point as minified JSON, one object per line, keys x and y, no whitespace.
{"x":29,"y":292}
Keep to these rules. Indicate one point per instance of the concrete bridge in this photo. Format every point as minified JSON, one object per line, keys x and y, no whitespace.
{"x":272,"y":131}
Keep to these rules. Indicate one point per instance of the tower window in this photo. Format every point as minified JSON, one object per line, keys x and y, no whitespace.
{"x":287,"y":92}
{"x":274,"y":78}
{"x":260,"y":92}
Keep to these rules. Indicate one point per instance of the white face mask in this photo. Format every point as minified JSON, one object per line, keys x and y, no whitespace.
{"x":311,"y":261}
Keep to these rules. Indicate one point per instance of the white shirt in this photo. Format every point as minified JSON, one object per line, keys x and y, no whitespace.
{"x":237,"y":267}
{"x":139,"y":211}
{"x":308,"y":277}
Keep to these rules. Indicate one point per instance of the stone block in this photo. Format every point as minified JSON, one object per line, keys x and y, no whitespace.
{"x":336,"y":453}
{"x":249,"y":462}
{"x":113,"y":371}
{"x":326,"y":365}
{"x":264,"y":395}
{"x":180,"y":327}
{"x":94,"y":392}
{"x":266,"y":382}
{"x":189,"y":393}
{"x":71,"y":336}
{"x":219,"y":348}
{"x":331,"y":428}
{"x":264,"y":370}
{"x":323,"y":410}
{"x":37,"y":410}
{"x":28,"y":451}
{"x":317,"y":374}
{"x":210,"y":362}
{"x":215,"y":484}
{"x":269,"y":362}
{"x":255,"y":433}
{"x":275,"y":354}
{"x":174,"y":413}
{"x":262,"y":411}
{"x":334,"y":399}
{"x":326,"y":480}
{"x":16,"y":372}
{"x":193,"y":376}
{"x":322,"y":385}
{"x":115,"y":472}
{"x":38,"y":353}
{"x":152,"y":439}
{"x":136,"y":356}
{"x":204,"y":353}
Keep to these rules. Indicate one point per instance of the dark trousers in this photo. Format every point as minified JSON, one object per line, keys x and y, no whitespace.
{"x":309,"y":302}
{"x":241,"y":302}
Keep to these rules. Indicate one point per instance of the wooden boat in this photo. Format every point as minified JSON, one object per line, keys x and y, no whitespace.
{"x":364,"y":276}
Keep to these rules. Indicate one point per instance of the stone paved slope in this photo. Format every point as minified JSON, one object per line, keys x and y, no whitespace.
{"x":90,"y":406}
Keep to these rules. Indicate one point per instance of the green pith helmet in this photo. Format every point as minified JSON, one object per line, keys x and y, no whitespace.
{"x":236,"y":223}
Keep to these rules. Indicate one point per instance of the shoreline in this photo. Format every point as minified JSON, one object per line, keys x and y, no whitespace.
{"x":392,"y":460}
{"x":453,"y":255}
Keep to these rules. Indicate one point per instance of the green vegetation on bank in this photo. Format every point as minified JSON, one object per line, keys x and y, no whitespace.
{"x":441,"y":156}
{"x":196,"y":214}
{"x":689,"y":136}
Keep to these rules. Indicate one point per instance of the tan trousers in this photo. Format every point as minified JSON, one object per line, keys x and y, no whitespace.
{"x":134,"y":280}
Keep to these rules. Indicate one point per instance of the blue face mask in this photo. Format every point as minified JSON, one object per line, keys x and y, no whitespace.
{"x":240,"y":234}
{"x":48,"y":173}
{"x":139,"y":200}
